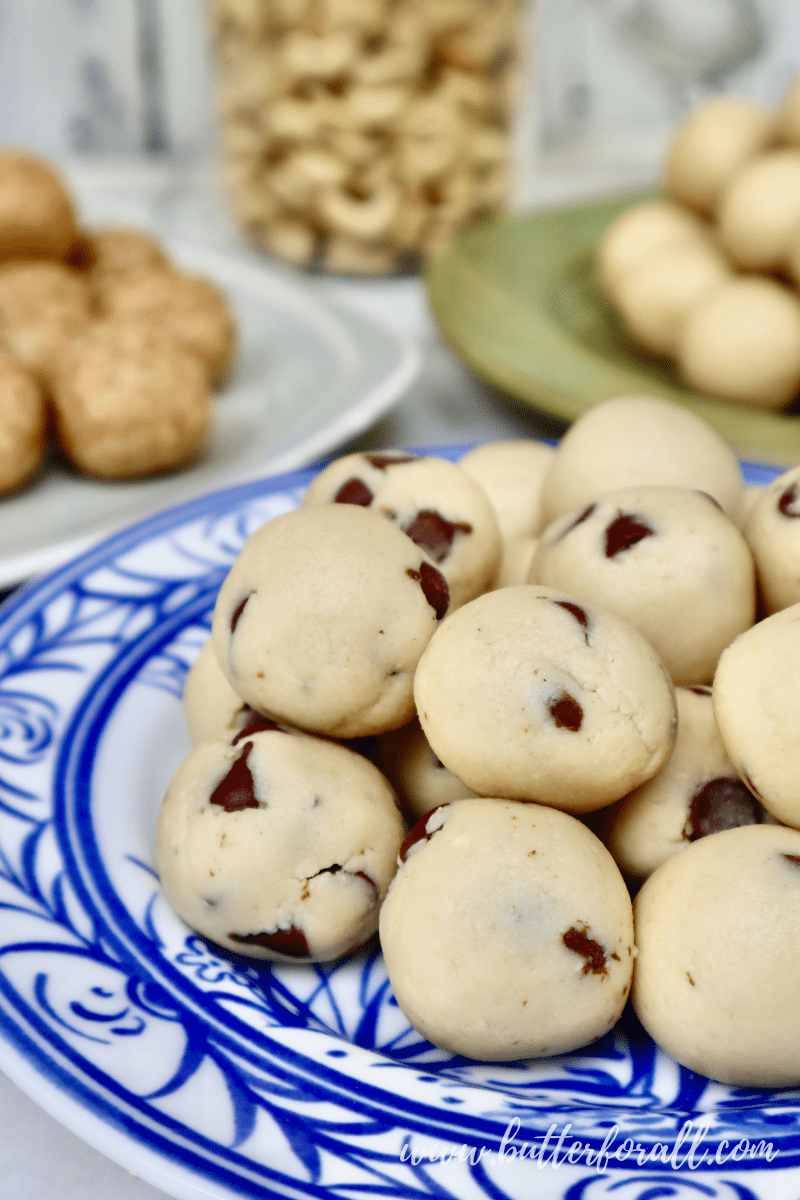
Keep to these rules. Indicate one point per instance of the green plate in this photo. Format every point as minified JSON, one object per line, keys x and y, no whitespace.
{"x":518,"y":300}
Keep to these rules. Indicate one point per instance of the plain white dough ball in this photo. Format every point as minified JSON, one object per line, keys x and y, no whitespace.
{"x":711,"y":144}
{"x":741,"y":342}
{"x":511,"y":475}
{"x":638,"y":233}
{"x":717,"y":978}
{"x":759,"y":212}
{"x":772,"y":530}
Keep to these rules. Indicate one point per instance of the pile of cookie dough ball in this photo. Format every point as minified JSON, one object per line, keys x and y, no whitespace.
{"x":479,"y":707}
{"x":707,"y":277}
{"x":359,"y":135}
{"x":100,"y":338}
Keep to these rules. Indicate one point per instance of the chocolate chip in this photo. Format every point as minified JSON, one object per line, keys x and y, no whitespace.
{"x":625,"y":532}
{"x":383,"y":461}
{"x":354,"y":492}
{"x":723,"y":803}
{"x":434,"y":533}
{"x":579,"y":942}
{"x":580,"y":615}
{"x":236,"y":791}
{"x":700,"y":690}
{"x":789,"y":503}
{"x":252,"y":722}
{"x":584,"y":516}
{"x":418,"y":833}
{"x":291,"y":941}
{"x":794,"y":859}
{"x":434,"y":587}
{"x":566,"y":712}
{"x":691,"y":981}
{"x":237,"y":612}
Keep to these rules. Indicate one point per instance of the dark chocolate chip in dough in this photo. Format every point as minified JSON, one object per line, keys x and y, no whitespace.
{"x":355,"y":491}
{"x":580,"y":615}
{"x":582,"y":516}
{"x":237,"y":790}
{"x":579,"y":942}
{"x":434,"y":587}
{"x":566,"y":712}
{"x":291,"y":941}
{"x":383,"y":461}
{"x":434,"y":533}
{"x":722,"y":803}
{"x":252,"y":722}
{"x":789,"y":503}
{"x":237,"y":612}
{"x":623,"y":532}
{"x":418,"y":833}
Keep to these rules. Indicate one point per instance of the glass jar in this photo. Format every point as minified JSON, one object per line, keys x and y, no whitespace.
{"x":359,"y":135}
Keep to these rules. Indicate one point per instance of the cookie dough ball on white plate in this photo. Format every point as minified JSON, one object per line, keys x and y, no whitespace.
{"x":507,"y":931}
{"x":420,"y":780}
{"x":717,"y":978}
{"x":212,"y":709}
{"x":278,"y":845}
{"x":511,"y":475}
{"x":772,"y":530}
{"x":640,"y":232}
{"x":437,"y":504}
{"x":654,"y":555}
{"x":630,"y":440}
{"x":711,"y":145}
{"x":525,"y":693}
{"x":756,"y":696}
{"x":697,"y":793}
{"x":741,"y":342}
{"x":759,"y":212}
{"x":322,"y":619}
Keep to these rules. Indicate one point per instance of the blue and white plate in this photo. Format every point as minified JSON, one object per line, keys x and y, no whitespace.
{"x":212,"y":1078}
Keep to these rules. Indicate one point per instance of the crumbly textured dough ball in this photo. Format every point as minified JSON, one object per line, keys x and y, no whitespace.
{"x":759,"y":212}
{"x":756,"y":695}
{"x":772,"y":530}
{"x":323,"y":617}
{"x":118,"y":252}
{"x":697,"y":793}
{"x":36,"y":214}
{"x":437,"y":504}
{"x":507,"y":931}
{"x":717,"y":978}
{"x":194,"y":310}
{"x":43,"y":305}
{"x":418,"y":777}
{"x":511,"y":475}
{"x":653,"y":555}
{"x":741,"y":342}
{"x":279,"y":846}
{"x":630,"y":440}
{"x":129,"y":401}
{"x":641,"y":231}
{"x":526,"y":694}
{"x":655,"y":296}
{"x":22,"y":424}
{"x":711,"y":145}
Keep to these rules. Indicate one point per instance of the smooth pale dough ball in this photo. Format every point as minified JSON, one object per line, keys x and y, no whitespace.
{"x":437,"y":504}
{"x":507,"y":932}
{"x":511,"y":475}
{"x":323,"y":617}
{"x":653,"y":555}
{"x":640,"y":440}
{"x":696,"y":794}
{"x":772,"y":530}
{"x":213,"y":711}
{"x":278,"y":846}
{"x":37,"y":219}
{"x":655,"y":296}
{"x":526,"y":694}
{"x":515,"y":562}
{"x":741,"y":342}
{"x":717,"y":977}
{"x":756,"y":696}
{"x":22,"y":424}
{"x":710,"y":146}
{"x":759,"y":212}
{"x":419,"y":778}
{"x":641,"y":231}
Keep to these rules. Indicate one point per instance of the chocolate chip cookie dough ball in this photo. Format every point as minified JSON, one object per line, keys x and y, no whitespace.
{"x":43,"y":305}
{"x":756,"y":695}
{"x":711,"y":145}
{"x":630,"y":440}
{"x":511,"y":475}
{"x":194,"y":310}
{"x":22,"y":424}
{"x":741,"y":342}
{"x":759,"y":212}
{"x":279,"y":846}
{"x":653,"y":555}
{"x":418,"y":777}
{"x":640,"y":232}
{"x":717,"y":978}
{"x":36,"y":214}
{"x":507,"y":931}
{"x":526,"y":694}
{"x":432,"y":500}
{"x":118,"y":252}
{"x":323,"y":617}
{"x":129,"y":401}
{"x":697,"y":793}
{"x":772,"y":530}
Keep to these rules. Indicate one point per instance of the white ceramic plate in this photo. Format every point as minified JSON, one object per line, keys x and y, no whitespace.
{"x":310,"y":375}
{"x":212,"y":1078}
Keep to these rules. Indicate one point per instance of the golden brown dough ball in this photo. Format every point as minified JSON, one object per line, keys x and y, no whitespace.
{"x":639,"y":232}
{"x":22,"y":424}
{"x":129,"y":400}
{"x":42,"y":306}
{"x":193,"y":309}
{"x":118,"y":252}
{"x":711,"y":144}
{"x":742,"y":342}
{"x":759,"y":212}
{"x":36,"y":214}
